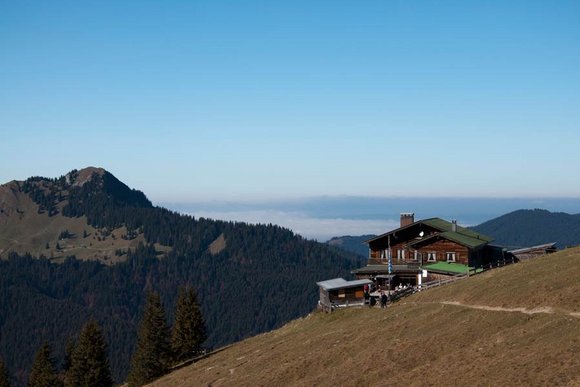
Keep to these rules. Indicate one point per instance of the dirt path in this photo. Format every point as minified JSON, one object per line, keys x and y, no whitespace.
{"x":543,"y":309}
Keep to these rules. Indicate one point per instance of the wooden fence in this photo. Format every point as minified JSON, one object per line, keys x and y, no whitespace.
{"x":471,"y":271}
{"x":439,"y":282}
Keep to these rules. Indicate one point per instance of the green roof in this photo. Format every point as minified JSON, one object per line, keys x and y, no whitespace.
{"x":448,"y":267}
{"x":444,"y":225}
{"x":463,"y":239}
{"x":456,"y":237}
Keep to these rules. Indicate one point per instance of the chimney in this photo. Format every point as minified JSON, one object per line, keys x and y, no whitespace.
{"x":454,"y":225}
{"x":407,"y":218}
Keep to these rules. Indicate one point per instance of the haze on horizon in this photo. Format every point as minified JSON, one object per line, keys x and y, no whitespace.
{"x":244,"y":101}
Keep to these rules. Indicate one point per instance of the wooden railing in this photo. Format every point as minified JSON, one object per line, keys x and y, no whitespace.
{"x":439,"y":282}
{"x":471,"y":271}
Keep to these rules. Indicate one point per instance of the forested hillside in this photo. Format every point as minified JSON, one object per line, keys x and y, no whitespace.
{"x":354,"y":244}
{"x":249,"y":279}
{"x":532,"y":227}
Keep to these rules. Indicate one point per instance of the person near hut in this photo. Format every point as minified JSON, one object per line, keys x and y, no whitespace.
{"x":367,"y":294}
{"x":383,"y":299}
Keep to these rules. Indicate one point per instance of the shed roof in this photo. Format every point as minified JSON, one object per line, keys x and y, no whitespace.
{"x":546,"y":246}
{"x":341,"y":283}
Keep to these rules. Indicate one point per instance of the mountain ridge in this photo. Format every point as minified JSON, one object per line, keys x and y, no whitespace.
{"x":528,"y":227}
{"x":52,"y":216}
{"x":249,"y":278}
{"x":354,"y":244}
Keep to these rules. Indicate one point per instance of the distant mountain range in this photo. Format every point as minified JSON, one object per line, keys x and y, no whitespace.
{"x":532,"y":227}
{"x":249,"y":278}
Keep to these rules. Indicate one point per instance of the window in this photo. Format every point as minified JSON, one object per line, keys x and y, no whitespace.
{"x":450,"y":257}
{"x":400,"y":254}
{"x":431,"y":257}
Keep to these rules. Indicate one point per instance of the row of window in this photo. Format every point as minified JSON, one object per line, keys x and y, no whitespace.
{"x":449,"y":256}
{"x":431,"y":256}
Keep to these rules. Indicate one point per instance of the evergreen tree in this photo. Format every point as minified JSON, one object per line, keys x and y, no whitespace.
{"x":151,"y":357}
{"x":68,"y":352}
{"x":4,"y":378}
{"x":89,"y":364}
{"x":43,"y":373}
{"x":188,"y":332}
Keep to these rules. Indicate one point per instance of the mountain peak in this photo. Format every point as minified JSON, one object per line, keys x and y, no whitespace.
{"x":79,"y":178}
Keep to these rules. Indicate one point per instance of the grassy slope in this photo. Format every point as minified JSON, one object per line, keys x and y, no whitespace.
{"x":422,"y":340}
{"x":23,"y":230}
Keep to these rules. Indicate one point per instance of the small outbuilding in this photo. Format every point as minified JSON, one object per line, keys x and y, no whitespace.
{"x":533,"y":251}
{"x":339,"y":292}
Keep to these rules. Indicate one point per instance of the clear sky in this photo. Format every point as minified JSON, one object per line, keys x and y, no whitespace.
{"x":237,"y":100}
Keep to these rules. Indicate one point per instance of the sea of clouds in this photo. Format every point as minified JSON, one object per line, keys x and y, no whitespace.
{"x":322,"y":218}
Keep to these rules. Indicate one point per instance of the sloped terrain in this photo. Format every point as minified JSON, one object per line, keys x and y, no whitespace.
{"x":518,"y":325}
{"x":243,"y":273}
{"x":354,"y":244}
{"x":524,"y":228}
{"x":27,"y":227}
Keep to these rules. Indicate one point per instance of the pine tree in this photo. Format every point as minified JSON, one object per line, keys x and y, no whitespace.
{"x":89,"y":364}
{"x":188,"y":332}
{"x":43,"y":373}
{"x":4,"y":378}
{"x":68,"y":352}
{"x":151,"y":357}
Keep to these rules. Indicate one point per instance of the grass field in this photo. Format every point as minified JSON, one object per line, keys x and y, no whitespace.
{"x":517,"y":325}
{"x":24,"y":230}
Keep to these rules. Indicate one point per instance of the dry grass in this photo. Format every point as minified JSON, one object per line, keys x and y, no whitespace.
{"x":217,"y":245}
{"x":422,"y":340}
{"x":23,"y":230}
{"x":550,"y":281}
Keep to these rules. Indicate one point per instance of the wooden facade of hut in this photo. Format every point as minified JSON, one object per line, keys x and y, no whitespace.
{"x":339,"y":292}
{"x":416,"y":245}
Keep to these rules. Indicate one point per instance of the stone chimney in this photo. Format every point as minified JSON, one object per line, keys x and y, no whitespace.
{"x":454,"y":225}
{"x":407,"y":218}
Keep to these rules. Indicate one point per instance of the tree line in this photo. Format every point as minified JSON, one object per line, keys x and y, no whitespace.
{"x":265,"y":276}
{"x":158,"y":348}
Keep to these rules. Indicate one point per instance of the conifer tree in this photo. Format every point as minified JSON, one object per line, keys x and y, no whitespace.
{"x":89,"y":364}
{"x":152,"y":354}
{"x":4,"y":378}
{"x":188,"y":332}
{"x":43,"y":373}
{"x":68,"y":351}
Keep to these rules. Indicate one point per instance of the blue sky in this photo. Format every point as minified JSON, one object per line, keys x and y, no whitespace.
{"x":254,"y":100}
